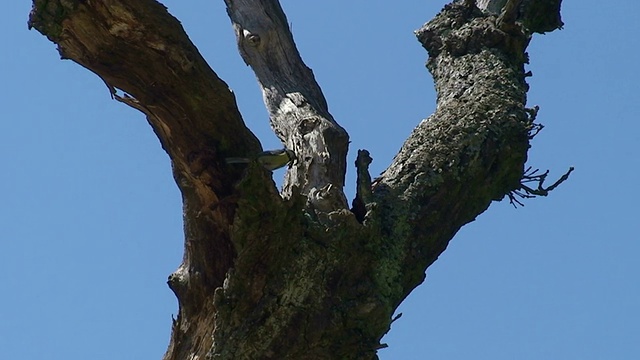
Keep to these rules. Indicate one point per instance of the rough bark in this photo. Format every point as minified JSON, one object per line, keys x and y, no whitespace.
{"x":297,"y":275}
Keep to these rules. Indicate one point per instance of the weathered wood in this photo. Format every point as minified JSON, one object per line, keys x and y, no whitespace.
{"x":297,"y":108}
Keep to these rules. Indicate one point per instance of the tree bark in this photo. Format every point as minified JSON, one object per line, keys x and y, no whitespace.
{"x":298,"y":275}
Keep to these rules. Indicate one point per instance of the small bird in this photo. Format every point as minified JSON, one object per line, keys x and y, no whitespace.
{"x":270,"y":159}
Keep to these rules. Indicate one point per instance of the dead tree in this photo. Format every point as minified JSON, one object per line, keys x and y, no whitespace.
{"x":300,"y":274}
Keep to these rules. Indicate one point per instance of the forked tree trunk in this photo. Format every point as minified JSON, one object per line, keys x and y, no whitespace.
{"x":299,"y":275}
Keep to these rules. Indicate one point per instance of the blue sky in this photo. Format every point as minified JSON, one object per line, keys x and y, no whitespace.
{"x":90,"y":223}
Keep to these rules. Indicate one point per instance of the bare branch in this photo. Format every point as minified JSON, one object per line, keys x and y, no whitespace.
{"x":526,"y":192}
{"x":297,"y":108}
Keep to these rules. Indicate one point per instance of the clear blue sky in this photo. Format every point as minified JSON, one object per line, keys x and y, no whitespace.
{"x":90,"y":223}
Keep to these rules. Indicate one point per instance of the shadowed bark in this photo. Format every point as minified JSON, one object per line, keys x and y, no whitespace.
{"x":298,"y":275}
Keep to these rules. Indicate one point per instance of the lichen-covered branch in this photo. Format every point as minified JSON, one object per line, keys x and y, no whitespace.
{"x":471,"y":151}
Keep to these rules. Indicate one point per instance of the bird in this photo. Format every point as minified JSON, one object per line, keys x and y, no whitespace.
{"x":269,"y":159}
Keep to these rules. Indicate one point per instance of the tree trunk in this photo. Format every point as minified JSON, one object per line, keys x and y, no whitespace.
{"x":299,"y":275}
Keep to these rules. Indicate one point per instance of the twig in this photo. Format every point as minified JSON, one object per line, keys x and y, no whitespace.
{"x":532,"y":113}
{"x":526,"y":192}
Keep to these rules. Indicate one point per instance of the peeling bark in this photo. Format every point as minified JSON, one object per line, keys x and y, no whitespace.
{"x":297,"y":275}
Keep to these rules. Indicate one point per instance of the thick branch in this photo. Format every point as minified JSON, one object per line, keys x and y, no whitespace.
{"x":471,"y":151}
{"x":137,"y":47}
{"x":297,"y":108}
